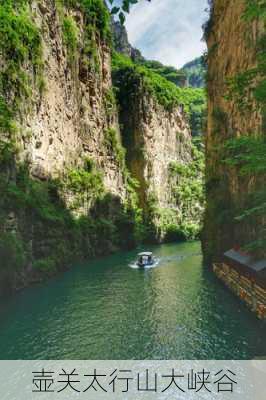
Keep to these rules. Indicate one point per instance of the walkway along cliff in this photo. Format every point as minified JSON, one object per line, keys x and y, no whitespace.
{"x":73,"y":183}
{"x":235,"y":147}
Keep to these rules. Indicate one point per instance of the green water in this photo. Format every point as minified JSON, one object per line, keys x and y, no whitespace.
{"x":107,"y":310}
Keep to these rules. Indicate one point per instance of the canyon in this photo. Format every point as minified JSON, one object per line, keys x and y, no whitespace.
{"x":101,"y":150}
{"x":84,"y":171}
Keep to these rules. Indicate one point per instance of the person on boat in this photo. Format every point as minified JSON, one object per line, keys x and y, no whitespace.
{"x":145,"y":258}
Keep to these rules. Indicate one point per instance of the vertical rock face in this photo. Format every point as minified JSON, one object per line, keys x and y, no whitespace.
{"x":159,"y":154}
{"x":62,"y":182}
{"x":121,"y":42}
{"x":232,"y":42}
{"x":160,"y":137}
{"x":69,"y":121}
{"x":66,"y":192}
{"x":154,"y":138}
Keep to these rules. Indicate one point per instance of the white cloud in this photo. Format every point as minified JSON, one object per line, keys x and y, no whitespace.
{"x":168,"y":30}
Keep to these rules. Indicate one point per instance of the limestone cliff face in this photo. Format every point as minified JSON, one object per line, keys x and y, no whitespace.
{"x":69,"y":120}
{"x":158,"y":142}
{"x":121,"y":42}
{"x":63,"y":186}
{"x":66,"y":191}
{"x":155,"y":138}
{"x":159,"y":138}
{"x":232,"y":43}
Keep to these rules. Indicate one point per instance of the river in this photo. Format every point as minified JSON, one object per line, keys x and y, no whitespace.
{"x":108,"y":310}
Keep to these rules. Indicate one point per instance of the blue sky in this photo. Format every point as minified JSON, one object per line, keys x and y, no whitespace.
{"x":168,"y":30}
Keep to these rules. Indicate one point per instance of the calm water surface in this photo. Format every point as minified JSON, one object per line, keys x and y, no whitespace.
{"x":107,"y":310}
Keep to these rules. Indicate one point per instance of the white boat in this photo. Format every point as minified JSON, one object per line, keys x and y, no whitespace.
{"x":145,"y":259}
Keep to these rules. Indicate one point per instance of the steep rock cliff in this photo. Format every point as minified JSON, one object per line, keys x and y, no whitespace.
{"x":234,"y":35}
{"x":67,"y":187}
{"x":64,"y":192}
{"x":121,"y":42}
{"x":69,"y":120}
{"x":191,"y":78}
{"x":159,"y":150}
{"x":155,"y":138}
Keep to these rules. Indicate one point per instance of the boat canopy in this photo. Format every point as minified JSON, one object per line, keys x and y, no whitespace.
{"x":145,"y":253}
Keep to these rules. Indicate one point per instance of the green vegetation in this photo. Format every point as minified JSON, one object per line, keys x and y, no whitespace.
{"x":195,"y":72}
{"x":239,"y":89}
{"x":97,"y":16}
{"x":20,"y":44}
{"x":196,"y":106}
{"x":70,"y":35}
{"x":255,"y":9}
{"x":166,"y":84}
{"x":96,"y":27}
{"x":187,"y":182}
{"x":21,"y":52}
{"x":245,"y":155}
{"x":178,"y":77}
{"x":252,"y":82}
{"x":34,"y":204}
{"x":11,"y":248}
{"x":135,"y":212}
{"x":110,"y":101}
{"x":71,"y":217}
{"x":46,"y":225}
{"x":133,"y":79}
{"x":54,"y":211}
{"x":194,"y":96}
{"x":128,"y":75}
{"x":85,"y":184}
{"x":47,"y":266}
{"x":13,"y":252}
{"x":122,"y":8}
{"x":114,"y":145}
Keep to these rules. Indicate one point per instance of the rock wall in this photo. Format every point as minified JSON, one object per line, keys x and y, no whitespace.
{"x":155,"y":139}
{"x":156,"y":133}
{"x":232,"y":43}
{"x":121,"y":42}
{"x":63,"y":186}
{"x":66,"y":189}
{"x":159,"y":137}
{"x":69,"y":120}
